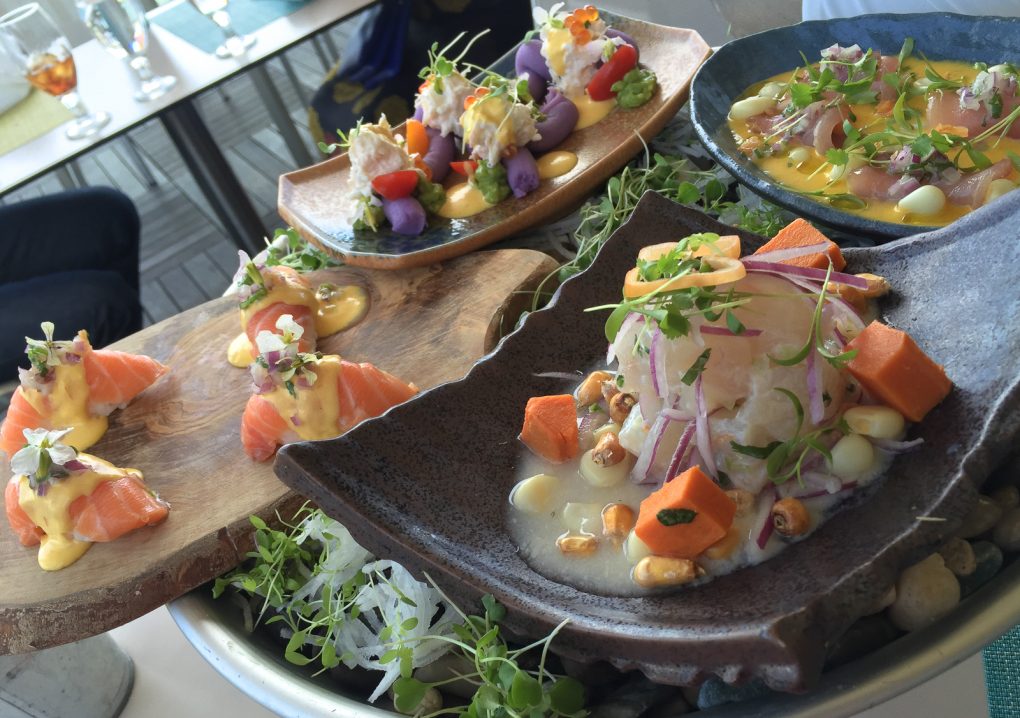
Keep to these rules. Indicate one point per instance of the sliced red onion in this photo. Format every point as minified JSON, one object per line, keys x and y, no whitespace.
{"x":726,"y":332}
{"x":839,"y":336}
{"x":816,"y":404}
{"x":791,"y":270}
{"x":781,"y":255}
{"x":902,"y":187}
{"x":674,"y":414}
{"x":657,"y":363}
{"x":646,"y":457}
{"x":295,"y":420}
{"x":625,"y":327}
{"x":767,"y":527}
{"x":75,"y":465}
{"x":704,"y":436}
{"x":897,"y":447}
{"x":678,"y":454}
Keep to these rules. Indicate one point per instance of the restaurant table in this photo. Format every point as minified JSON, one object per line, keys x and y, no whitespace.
{"x":106,"y":83}
{"x":173,"y":680}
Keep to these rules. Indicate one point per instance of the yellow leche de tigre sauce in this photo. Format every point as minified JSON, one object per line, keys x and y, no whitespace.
{"x":589,"y":111}
{"x":316,"y":408}
{"x":66,"y":405}
{"x":555,"y":163}
{"x":341,"y":309}
{"x":811,"y":176}
{"x":51,"y":512}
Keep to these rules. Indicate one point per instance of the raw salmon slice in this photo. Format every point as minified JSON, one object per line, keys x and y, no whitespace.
{"x":115,"y":508}
{"x":265,"y":321}
{"x":262,"y":428}
{"x":115,"y":378}
{"x":28,"y":533}
{"x":20,"y":416}
{"x":367,"y":391}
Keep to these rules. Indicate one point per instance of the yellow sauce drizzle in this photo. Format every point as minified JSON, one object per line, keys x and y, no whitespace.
{"x":66,"y":406}
{"x":240,"y":353}
{"x":344,"y":308}
{"x":591,"y":111}
{"x":51,"y":512}
{"x":556,"y":46}
{"x":463,"y":200}
{"x":555,"y":164}
{"x":805,"y":177}
{"x":317,"y":407}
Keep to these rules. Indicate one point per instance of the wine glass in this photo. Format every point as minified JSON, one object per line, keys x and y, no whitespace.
{"x":122,"y":28}
{"x":30,"y":37}
{"x":234,"y":45}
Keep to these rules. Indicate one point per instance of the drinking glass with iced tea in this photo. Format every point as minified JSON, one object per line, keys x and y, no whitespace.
{"x":29,"y":36}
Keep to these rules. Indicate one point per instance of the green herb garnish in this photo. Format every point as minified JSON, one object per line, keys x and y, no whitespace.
{"x":674,"y":517}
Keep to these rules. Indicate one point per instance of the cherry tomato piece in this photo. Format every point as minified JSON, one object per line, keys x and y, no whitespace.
{"x":464,"y":167}
{"x":623,"y":61}
{"x":396,"y":184}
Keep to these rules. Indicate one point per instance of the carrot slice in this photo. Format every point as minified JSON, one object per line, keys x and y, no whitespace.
{"x":686,"y":516}
{"x":417,"y":138}
{"x":800,"y":233}
{"x":550,"y":427}
{"x":896,"y":371}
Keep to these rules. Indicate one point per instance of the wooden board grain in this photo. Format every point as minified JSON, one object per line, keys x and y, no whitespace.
{"x":426,"y":325}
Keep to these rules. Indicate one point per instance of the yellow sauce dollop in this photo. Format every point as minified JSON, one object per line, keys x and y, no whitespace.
{"x":66,"y":405}
{"x":343,"y":308}
{"x":591,"y":111}
{"x":463,"y":200}
{"x":240,"y":352}
{"x":555,"y":163}
{"x":51,"y":511}
{"x":556,"y":46}
{"x":317,"y":408}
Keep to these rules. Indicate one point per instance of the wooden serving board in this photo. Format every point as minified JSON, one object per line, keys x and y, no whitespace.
{"x":426,"y":325}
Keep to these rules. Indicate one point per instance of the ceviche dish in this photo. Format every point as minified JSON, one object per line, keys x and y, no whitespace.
{"x":473,"y":143}
{"x":899,"y":138}
{"x":743,"y":399}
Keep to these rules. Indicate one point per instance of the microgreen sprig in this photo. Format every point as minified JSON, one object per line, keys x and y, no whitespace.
{"x":439,"y":66}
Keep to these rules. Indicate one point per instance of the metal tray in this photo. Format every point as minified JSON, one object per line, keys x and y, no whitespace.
{"x":254,"y":662}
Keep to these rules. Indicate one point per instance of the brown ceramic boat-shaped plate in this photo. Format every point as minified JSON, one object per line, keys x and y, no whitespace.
{"x":314,"y":199}
{"x":427,"y":484}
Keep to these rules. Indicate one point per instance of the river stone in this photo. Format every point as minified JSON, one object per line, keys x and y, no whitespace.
{"x":716,"y":692}
{"x":634,"y":698}
{"x":925,"y":593}
{"x":1007,"y":532}
{"x":864,"y":636}
{"x":989,"y":561}
{"x":959,"y":557}
{"x":985,"y":514}
{"x":1006,"y":497}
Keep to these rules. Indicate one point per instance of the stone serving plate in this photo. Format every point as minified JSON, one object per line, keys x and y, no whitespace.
{"x":741,"y":63}
{"x":314,"y":199}
{"x":427,"y":483}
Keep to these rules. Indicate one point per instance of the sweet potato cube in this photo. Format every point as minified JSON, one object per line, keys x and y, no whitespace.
{"x":665,"y":521}
{"x":550,"y":427}
{"x":801,"y":233}
{"x":896,"y":371}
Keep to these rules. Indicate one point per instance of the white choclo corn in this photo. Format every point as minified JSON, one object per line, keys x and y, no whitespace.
{"x":604,"y":475}
{"x":534,"y":494}
{"x":606,"y":428}
{"x":799,"y":155}
{"x":751,"y":106}
{"x":635,"y":549}
{"x":880,"y":422}
{"x":853,"y":162}
{"x":997,"y":188}
{"x":582,"y":518}
{"x":925,"y":200}
{"x":771,"y":89}
{"x":852,"y":456}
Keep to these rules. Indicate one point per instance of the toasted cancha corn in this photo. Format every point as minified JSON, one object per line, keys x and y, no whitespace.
{"x":658,"y":571}
{"x":534,"y":494}
{"x":879,"y":422}
{"x":590,"y":390}
{"x":607,"y":451}
{"x":877,"y":287}
{"x":790,"y":517}
{"x":598,"y":475}
{"x":617,"y":520}
{"x":577,"y":546}
{"x":620,"y":406}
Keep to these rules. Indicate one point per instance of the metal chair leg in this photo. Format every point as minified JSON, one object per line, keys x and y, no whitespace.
{"x":143,"y":169}
{"x":299,"y":89}
{"x":321,"y":52}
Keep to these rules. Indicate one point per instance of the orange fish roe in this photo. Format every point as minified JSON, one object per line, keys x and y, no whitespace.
{"x":579,"y":20}
{"x":479,"y":93}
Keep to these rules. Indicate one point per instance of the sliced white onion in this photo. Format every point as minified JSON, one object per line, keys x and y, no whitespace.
{"x":704,"y":436}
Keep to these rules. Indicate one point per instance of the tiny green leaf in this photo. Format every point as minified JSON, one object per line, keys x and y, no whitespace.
{"x":673,"y":517}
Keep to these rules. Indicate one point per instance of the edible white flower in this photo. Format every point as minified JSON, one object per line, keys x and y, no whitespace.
{"x":291,"y":330}
{"x":26,"y":462}
{"x":541,"y":16}
{"x":268,"y":342}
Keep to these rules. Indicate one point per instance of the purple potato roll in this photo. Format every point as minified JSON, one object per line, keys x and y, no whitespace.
{"x":529,"y":59}
{"x":405,"y":215}
{"x":521,"y":172}
{"x":441,"y":152}
{"x":537,"y":87}
{"x":560,"y":117}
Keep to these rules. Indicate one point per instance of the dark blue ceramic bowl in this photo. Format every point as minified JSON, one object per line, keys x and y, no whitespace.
{"x":741,"y":63}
